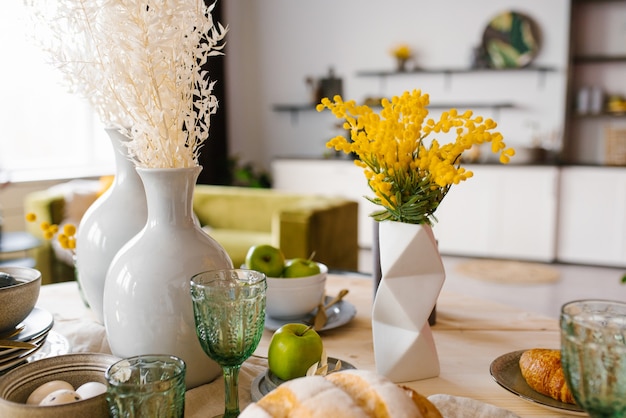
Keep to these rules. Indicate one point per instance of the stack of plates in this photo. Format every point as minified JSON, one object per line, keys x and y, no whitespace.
{"x":36,"y":329}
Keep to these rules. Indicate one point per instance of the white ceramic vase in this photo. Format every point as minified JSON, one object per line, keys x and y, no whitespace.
{"x":147,"y":300}
{"x":108,"y":224}
{"x":412,"y":277}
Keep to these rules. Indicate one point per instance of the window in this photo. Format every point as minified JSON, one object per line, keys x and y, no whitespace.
{"x":46,"y":132}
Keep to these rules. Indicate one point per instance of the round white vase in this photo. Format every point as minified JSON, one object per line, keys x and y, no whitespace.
{"x":147,"y":300}
{"x":108,"y":224}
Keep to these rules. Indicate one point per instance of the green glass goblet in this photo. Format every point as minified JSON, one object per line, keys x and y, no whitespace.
{"x":229,"y":312}
{"x":593,"y":355}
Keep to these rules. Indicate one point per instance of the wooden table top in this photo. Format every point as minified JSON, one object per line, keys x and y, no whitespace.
{"x":469,"y":334}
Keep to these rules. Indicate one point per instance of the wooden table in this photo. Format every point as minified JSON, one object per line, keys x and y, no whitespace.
{"x":469,"y":334}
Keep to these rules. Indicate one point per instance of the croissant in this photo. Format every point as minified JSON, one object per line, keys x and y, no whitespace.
{"x":541,"y":368}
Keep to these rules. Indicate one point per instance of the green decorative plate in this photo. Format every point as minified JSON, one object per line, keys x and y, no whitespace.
{"x":510,"y":40}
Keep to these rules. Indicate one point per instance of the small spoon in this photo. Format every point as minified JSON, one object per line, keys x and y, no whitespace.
{"x":320,"y":319}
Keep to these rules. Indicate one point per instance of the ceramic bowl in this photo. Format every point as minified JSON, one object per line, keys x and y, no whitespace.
{"x":76,"y":369}
{"x":17,"y":301}
{"x":295,"y":297}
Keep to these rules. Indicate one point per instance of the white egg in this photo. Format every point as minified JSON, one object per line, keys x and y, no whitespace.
{"x":44,"y":390}
{"x":60,"y":397}
{"x":91,"y":389}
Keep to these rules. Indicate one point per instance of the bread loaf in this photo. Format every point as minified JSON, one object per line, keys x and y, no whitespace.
{"x":311,"y":396}
{"x":541,"y":368}
{"x":349,"y":393}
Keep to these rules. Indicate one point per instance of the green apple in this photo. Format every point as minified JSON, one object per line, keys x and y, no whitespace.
{"x":301,"y":267}
{"x":293,"y":349}
{"x":266,"y":259}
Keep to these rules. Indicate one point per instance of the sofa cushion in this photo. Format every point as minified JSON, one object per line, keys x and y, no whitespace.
{"x":238,"y":242}
{"x":235,"y":208}
{"x":299,"y":224}
{"x":79,"y":195}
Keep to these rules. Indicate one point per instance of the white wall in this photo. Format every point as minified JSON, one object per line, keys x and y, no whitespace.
{"x":274,"y":44}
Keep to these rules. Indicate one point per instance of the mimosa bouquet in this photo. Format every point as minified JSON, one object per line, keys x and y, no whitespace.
{"x":410,"y":171}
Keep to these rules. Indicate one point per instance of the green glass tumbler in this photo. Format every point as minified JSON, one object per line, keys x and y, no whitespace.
{"x":593,"y":355}
{"x":146,"y":386}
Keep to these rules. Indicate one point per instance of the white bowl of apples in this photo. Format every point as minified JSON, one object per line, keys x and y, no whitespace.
{"x":295,"y":287}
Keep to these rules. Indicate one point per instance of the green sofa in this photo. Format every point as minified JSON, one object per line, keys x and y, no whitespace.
{"x":237,"y":217}
{"x":299,"y":224}
{"x":48,"y":206}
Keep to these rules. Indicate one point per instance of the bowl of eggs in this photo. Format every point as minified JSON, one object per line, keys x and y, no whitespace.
{"x":70,"y":385}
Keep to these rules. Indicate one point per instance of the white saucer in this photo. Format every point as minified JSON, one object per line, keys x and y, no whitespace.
{"x":19,"y":359}
{"x":37,"y":323}
{"x":47,"y":345}
{"x":13,"y":353}
{"x":338,"y":315}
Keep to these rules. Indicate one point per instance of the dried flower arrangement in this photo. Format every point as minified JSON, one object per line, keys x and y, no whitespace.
{"x":141,"y":64}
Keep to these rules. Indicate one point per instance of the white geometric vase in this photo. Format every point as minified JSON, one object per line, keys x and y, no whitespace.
{"x":412,"y":277}
{"x":147,"y":299}
{"x":108,"y":224}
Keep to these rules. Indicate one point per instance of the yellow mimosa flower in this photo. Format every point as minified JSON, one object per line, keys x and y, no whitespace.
{"x":409,"y":172}
{"x":67,"y":238}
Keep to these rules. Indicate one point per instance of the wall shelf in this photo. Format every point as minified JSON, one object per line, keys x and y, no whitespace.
{"x":597,"y":1}
{"x":602,"y":115}
{"x":295,"y":109}
{"x":599,"y":59}
{"x":449,"y":72}
{"x":387,"y":73}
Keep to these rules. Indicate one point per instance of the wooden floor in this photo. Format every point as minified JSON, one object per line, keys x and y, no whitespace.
{"x":575,"y":282}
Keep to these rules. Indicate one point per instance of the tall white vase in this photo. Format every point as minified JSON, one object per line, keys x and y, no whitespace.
{"x":108,"y":224}
{"x":147,"y":301}
{"x":412,"y":277}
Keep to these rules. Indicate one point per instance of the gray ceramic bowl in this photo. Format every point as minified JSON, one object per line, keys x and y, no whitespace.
{"x":17,"y":301}
{"x":76,"y":369}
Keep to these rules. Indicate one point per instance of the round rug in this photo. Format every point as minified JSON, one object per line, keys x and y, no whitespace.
{"x":508,"y":271}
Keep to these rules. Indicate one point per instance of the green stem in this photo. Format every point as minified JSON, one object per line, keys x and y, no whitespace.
{"x":231,"y":386}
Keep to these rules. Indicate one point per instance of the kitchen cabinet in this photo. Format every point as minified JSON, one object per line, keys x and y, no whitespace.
{"x":502,"y":212}
{"x":568,"y":214}
{"x":592,"y":216}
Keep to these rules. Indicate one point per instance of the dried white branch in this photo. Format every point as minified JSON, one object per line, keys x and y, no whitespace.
{"x":140,"y":64}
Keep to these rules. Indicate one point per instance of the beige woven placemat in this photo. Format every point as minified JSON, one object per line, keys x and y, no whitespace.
{"x":508,"y":271}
